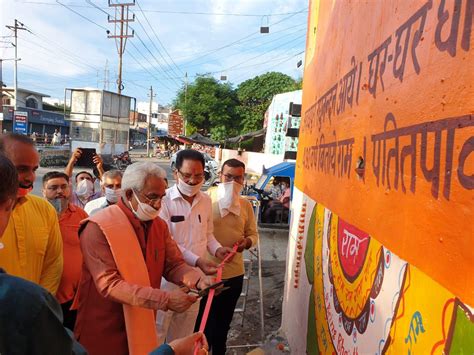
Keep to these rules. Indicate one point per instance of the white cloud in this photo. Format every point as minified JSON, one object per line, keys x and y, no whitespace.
{"x":186,"y":37}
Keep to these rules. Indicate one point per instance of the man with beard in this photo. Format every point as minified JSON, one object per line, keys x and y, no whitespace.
{"x":57,"y":191}
{"x":31,"y":246}
{"x":84,"y":191}
{"x":30,"y":317}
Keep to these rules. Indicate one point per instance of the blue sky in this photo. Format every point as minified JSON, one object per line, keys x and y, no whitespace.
{"x":68,"y":44}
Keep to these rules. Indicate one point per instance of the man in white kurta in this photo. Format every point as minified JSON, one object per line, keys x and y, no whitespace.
{"x":188,"y":213}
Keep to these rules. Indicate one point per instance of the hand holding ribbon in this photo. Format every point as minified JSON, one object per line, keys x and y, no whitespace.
{"x":198,"y":344}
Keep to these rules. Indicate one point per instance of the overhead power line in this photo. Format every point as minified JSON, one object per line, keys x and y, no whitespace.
{"x":238,"y":78}
{"x":159,"y":64}
{"x":245,"y":37}
{"x":156,"y":60}
{"x":159,"y":41}
{"x":203,"y":13}
{"x":121,"y":22}
{"x":55,"y":59}
{"x":246,"y":61}
{"x":302,"y":25}
{"x":59,"y":77}
{"x":60,"y":49}
{"x":249,"y":48}
{"x":220,"y":13}
{"x":79,"y":14}
{"x":241,"y":66}
{"x":260,"y":55}
{"x":144,"y":68}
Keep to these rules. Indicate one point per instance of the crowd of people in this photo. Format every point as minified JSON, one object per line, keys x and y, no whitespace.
{"x":119,"y":270}
{"x":54,"y":138}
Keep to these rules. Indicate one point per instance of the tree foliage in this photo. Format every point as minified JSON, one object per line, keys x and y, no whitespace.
{"x":255,"y":95}
{"x":213,"y":107}
{"x":209,"y":106}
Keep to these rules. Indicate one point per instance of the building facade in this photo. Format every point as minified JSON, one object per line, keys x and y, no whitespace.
{"x":30,"y":116}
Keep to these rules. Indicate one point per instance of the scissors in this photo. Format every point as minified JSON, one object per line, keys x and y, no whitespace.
{"x":205,"y":291}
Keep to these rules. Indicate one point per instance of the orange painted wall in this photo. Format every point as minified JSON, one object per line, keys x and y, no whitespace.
{"x":431,"y":101}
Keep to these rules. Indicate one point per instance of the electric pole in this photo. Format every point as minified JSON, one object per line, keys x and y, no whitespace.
{"x":17,"y":26}
{"x":121,"y":20}
{"x":148,"y":135}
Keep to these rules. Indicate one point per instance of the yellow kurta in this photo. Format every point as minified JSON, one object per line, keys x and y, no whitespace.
{"x":32,"y":243}
{"x":230,"y":229}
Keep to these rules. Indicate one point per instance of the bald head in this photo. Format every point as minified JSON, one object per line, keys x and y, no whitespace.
{"x":22,"y":153}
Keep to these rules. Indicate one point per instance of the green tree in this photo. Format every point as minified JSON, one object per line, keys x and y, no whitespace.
{"x":210,"y":106}
{"x":255,"y":95}
{"x":299,"y":84}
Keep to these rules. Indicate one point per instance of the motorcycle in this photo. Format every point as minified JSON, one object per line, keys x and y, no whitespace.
{"x":211,"y":175}
{"x":122,"y":160}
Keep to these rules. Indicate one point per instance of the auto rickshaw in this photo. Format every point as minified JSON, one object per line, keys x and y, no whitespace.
{"x":262,"y":190}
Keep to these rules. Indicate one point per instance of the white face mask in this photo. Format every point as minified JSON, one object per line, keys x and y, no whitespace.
{"x":228,"y":195}
{"x":144,"y":211}
{"x":59,"y":204}
{"x":112,"y":195}
{"x":189,"y":190}
{"x":84,"y":189}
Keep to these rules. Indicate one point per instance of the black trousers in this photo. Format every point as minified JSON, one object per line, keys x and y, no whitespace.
{"x":69,"y":316}
{"x":220,"y":316}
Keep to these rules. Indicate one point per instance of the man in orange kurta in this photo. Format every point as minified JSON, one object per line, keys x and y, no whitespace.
{"x":57,"y":191}
{"x":108,"y":296}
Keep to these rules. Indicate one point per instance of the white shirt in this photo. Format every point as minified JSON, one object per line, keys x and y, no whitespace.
{"x":191,"y":226}
{"x":94,"y":206}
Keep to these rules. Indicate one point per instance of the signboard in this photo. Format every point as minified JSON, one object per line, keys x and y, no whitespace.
{"x":39,"y":116}
{"x":381,"y":256}
{"x":279,"y":121}
{"x":20,"y":123}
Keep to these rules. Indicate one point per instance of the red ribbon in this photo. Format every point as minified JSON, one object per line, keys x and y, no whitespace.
{"x":210,"y":296}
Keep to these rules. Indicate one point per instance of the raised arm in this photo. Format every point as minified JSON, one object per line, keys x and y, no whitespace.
{"x":72,"y":162}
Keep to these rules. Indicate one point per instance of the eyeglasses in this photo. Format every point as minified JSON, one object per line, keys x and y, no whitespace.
{"x":57,"y":187}
{"x":236,"y":178}
{"x":148,"y":200}
{"x":187,"y":177}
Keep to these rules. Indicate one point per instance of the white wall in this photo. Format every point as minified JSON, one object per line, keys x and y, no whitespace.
{"x":254,"y":162}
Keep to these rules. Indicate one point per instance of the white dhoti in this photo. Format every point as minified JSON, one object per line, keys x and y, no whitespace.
{"x":172,"y":325}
